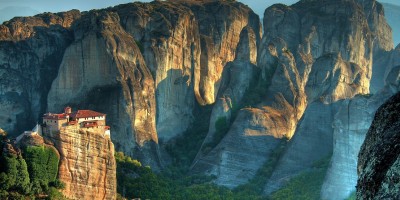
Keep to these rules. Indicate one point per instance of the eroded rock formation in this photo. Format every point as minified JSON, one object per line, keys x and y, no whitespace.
{"x":87,"y":164}
{"x":300,"y":64}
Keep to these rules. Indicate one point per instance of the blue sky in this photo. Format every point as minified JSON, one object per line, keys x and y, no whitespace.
{"x":61,"y":5}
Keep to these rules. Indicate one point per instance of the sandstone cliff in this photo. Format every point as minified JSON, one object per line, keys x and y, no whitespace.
{"x":186,"y":45}
{"x":378,"y":161}
{"x":148,"y":65}
{"x":121,"y":61}
{"x":104,"y":70}
{"x":301,"y":64}
{"x":87,"y":164}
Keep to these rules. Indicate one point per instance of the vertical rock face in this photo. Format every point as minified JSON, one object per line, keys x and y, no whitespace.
{"x":237,"y":78}
{"x":220,"y":25}
{"x":31,"y":49}
{"x":170,"y":43}
{"x":378,"y":160}
{"x":298,"y":51}
{"x":309,"y":144}
{"x":351,"y":124}
{"x":186,"y":45}
{"x":377,"y":23}
{"x":383,"y":42}
{"x":123,"y":60}
{"x":246,"y":146}
{"x":103,"y":69}
{"x":302,"y":63}
{"x":87,"y":164}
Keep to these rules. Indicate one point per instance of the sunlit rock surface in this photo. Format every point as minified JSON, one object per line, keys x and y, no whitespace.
{"x":87,"y":164}
{"x":104,"y":70}
{"x":301,"y":64}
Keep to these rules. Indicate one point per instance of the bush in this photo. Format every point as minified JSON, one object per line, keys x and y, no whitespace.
{"x":54,"y":194}
{"x":14,"y":175}
{"x":3,"y":194}
{"x":306,"y":185}
{"x":42,"y":164}
{"x":57,"y":184}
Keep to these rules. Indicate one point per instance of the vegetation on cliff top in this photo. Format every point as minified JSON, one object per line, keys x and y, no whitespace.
{"x":30,"y":174}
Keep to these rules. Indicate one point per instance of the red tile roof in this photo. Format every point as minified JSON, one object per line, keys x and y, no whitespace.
{"x":86,"y":114}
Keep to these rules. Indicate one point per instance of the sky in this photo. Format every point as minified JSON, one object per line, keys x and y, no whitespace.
{"x":10,"y":8}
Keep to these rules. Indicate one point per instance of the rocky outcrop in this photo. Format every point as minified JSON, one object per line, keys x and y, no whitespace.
{"x":237,"y":79}
{"x":122,"y":60}
{"x":103,"y":69}
{"x":169,"y":40}
{"x":219,"y":40}
{"x":301,"y":64}
{"x":186,"y":45}
{"x":378,"y":160}
{"x":309,"y":144}
{"x":247,"y":145}
{"x":31,"y":49}
{"x":383,"y":42}
{"x":333,"y":67}
{"x":87,"y":164}
{"x":351,"y":123}
{"x":374,"y":11}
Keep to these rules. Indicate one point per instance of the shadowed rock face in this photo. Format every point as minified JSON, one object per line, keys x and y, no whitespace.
{"x":186,"y":45}
{"x":351,"y":123}
{"x":378,"y":160}
{"x":146,"y":65}
{"x":31,"y":50}
{"x":105,"y":58}
{"x":311,"y":52}
{"x":121,"y":61}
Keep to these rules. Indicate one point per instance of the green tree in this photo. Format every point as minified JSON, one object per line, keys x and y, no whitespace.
{"x":42,"y":164}
{"x":22,"y":178}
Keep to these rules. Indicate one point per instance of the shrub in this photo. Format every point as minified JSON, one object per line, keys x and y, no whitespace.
{"x":54,"y":194}
{"x":57,"y":184}
{"x":15,"y":174}
{"x":306,"y":185}
{"x":42,"y":164}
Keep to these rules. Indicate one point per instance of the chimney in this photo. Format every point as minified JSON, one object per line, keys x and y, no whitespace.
{"x":67,"y":110}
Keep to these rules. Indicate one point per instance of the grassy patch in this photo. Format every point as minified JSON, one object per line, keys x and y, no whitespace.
{"x":306,"y":185}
